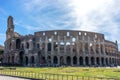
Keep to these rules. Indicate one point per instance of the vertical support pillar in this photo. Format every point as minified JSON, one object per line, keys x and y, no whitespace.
{"x":84,"y":63}
{"x":100,"y":61}
{"x":71,"y":60}
{"x":46,"y":48}
{"x":77,"y":44}
{"x":65,"y":45}
{"x":94,"y":43}
{"x":104,"y":48}
{"x":58,"y":60}
{"x":104,"y":60}
{"x":95,"y":61}
{"x":71,"y":47}
{"x":64,"y":57}
{"x":89,"y":60}
{"x":58,"y":44}
{"x":99,"y":47}
{"x":51,"y":59}
{"x":52,"y":50}
{"x":88,"y":44}
{"x":31,"y":44}
{"x":78,"y":60}
{"x":83,"y":45}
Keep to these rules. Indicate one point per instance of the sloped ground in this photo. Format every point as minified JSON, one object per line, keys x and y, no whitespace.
{"x":11,"y":78}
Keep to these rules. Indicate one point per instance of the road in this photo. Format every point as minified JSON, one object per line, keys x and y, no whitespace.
{"x":11,"y":78}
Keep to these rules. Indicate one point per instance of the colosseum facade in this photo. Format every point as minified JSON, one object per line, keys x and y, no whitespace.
{"x":59,"y":47}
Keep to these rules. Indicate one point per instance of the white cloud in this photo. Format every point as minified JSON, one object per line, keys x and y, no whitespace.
{"x":92,"y":15}
{"x":98,"y":16}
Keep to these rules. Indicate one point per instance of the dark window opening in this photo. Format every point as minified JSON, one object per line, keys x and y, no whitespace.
{"x":49,"y":46}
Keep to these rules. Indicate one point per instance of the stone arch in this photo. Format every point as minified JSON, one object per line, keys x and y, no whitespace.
{"x":92,"y":61}
{"x":55,"y":60}
{"x":18,"y":43}
{"x":38,"y":45}
{"x":49,"y":46}
{"x":110,"y":61}
{"x":13,"y":59}
{"x":42,"y":60}
{"x":81,"y":60}
{"x":74,"y":60}
{"x":26,"y":60}
{"x":102,"y":61}
{"x":98,"y":61}
{"x":80,"y":46}
{"x":106,"y":60}
{"x":32,"y":60}
{"x":27,"y":45}
{"x":21,"y":54}
{"x":86,"y":46}
{"x":87,"y":60}
{"x":68,"y":60}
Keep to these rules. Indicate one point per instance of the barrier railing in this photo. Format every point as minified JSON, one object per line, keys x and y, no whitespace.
{"x":49,"y":76}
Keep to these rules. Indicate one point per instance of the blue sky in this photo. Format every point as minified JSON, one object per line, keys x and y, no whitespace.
{"x":102,"y":16}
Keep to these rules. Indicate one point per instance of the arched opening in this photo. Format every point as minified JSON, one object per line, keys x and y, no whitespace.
{"x":42,"y":60}
{"x":80,"y":46}
{"x":61,"y":60}
{"x":27,"y":45}
{"x":106,"y":61}
{"x":81,"y":60}
{"x":86,"y":47}
{"x":102,"y":61}
{"x":87,"y":61}
{"x":55,"y":60}
{"x":74,"y":60}
{"x":32,"y":60}
{"x":98,"y":61}
{"x":38,"y":46}
{"x":21,"y":54}
{"x":26,"y":60}
{"x":68,"y":60}
{"x":49,"y":46}
{"x":92,"y":61}
{"x":110,"y":61}
{"x":18,"y":42}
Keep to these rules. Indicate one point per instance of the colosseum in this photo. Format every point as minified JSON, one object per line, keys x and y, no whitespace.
{"x":59,"y":47}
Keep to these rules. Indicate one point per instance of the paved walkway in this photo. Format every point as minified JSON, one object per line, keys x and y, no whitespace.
{"x":11,"y":78}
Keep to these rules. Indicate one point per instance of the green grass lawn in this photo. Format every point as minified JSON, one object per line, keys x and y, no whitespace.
{"x":80,"y":71}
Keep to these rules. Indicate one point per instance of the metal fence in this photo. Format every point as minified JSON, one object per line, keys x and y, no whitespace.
{"x":49,"y":76}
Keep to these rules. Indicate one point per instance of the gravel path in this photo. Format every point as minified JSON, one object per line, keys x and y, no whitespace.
{"x":11,"y":78}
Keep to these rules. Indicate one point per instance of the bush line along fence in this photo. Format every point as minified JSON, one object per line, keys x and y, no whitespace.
{"x":49,"y":76}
